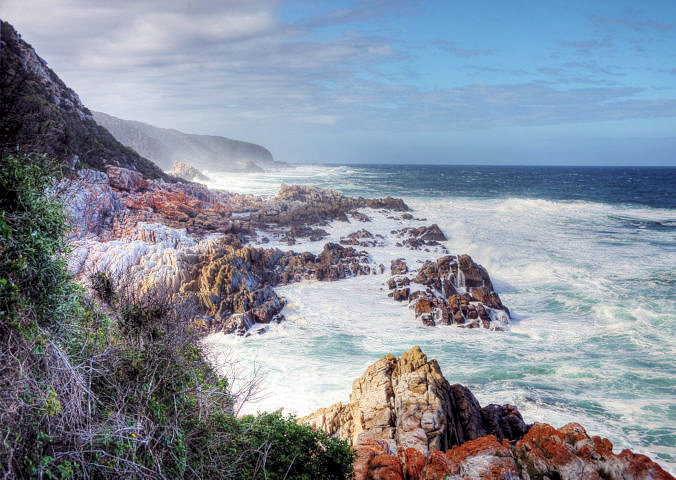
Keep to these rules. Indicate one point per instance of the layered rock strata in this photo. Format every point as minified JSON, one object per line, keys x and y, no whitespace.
{"x":407,"y":422}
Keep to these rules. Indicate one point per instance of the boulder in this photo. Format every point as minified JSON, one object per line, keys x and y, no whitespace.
{"x":406,"y":402}
{"x":125,"y":179}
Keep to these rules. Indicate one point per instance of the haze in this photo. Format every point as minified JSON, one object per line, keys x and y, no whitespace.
{"x":491,"y":82}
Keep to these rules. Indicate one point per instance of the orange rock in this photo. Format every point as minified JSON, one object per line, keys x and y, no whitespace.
{"x":460,"y":453}
{"x":640,"y":466}
{"x":437,"y":466}
{"x":413,"y":462}
{"x":385,"y":467}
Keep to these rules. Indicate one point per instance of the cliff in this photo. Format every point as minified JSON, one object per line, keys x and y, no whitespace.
{"x":408,"y":422}
{"x":205,"y":152}
{"x":39,"y":113}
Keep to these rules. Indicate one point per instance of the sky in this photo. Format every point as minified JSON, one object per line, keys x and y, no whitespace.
{"x":373,"y":81}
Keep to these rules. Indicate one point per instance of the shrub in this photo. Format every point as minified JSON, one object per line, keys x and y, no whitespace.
{"x":32,"y":233}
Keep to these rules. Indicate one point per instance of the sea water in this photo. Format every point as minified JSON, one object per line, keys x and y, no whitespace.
{"x":585,"y":258}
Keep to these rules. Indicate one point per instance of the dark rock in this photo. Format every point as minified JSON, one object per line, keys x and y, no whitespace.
{"x":360,"y":216}
{"x":398,"y":267}
{"x":503,"y":421}
{"x":362,"y":238}
{"x":421,"y":237}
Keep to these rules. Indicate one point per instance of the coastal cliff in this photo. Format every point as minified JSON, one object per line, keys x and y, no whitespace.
{"x":39,"y":113}
{"x":206,"y":152}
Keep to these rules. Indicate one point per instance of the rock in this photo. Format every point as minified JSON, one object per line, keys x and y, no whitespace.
{"x":398,"y":267}
{"x":305,"y":205}
{"x":360,"y":217}
{"x":89,"y":202}
{"x":124,"y":179}
{"x":401,"y":295}
{"x":451,"y":294}
{"x":363,"y":238}
{"x":314,"y":234}
{"x":187,"y":172}
{"x":569,"y":453}
{"x":503,"y":421}
{"x":421,"y":237}
{"x":407,"y":402}
{"x":407,"y":423}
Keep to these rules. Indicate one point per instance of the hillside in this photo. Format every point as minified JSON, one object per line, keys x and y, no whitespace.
{"x":39,"y":113}
{"x":205,"y":152}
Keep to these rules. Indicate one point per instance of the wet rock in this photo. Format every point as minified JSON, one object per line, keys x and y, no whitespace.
{"x":296,"y":232}
{"x":398,"y":267}
{"x":401,"y":295}
{"x":306,"y":205}
{"x":448,"y":297}
{"x":421,"y":237}
{"x":360,"y":217}
{"x":363,"y":238}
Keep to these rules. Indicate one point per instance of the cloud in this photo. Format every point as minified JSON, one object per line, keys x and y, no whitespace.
{"x":632,"y":21}
{"x":235,"y":68}
{"x":590,"y":46}
{"x":450,"y":47}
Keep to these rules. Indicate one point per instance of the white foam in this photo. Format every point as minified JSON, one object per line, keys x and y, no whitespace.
{"x":593,"y":327}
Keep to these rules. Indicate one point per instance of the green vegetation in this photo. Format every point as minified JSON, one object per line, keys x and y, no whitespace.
{"x":118,"y":387}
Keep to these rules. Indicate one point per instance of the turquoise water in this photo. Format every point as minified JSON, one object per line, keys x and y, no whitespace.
{"x":584,"y":258}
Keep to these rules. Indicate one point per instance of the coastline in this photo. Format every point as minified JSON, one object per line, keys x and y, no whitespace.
{"x":375,"y":280}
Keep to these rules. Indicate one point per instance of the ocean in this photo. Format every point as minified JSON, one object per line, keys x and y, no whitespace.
{"x":585,"y":258}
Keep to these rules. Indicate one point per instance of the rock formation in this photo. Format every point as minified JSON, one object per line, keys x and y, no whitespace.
{"x":406,"y":402}
{"x":186,"y":172}
{"x":183,"y":239}
{"x":408,"y":423}
{"x":453,"y":290}
{"x":363,"y":238}
{"x":420,"y":238}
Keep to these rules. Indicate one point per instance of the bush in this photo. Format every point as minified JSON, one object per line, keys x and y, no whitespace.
{"x":285,"y":449}
{"x":32,"y":233}
{"x":126,"y":393}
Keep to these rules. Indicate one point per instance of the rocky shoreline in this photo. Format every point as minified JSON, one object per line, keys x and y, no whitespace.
{"x":192,"y":242}
{"x":408,"y":422}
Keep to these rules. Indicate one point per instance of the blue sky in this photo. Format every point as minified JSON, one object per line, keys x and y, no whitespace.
{"x":548,"y":82}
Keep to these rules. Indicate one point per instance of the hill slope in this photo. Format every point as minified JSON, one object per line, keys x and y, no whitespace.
{"x":166,"y":146}
{"x":39,"y":113}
